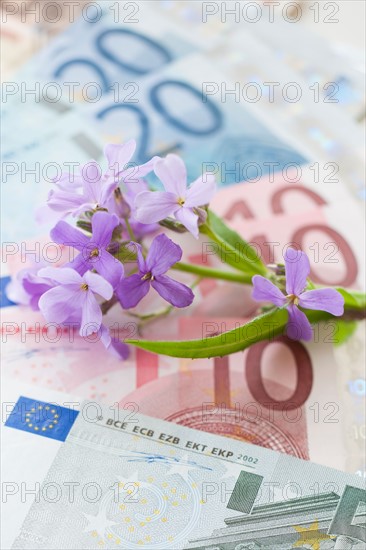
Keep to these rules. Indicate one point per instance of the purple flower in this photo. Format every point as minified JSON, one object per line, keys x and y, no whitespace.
{"x":69,"y":181}
{"x":94,"y":253}
{"x":177,"y":200}
{"x":297,"y":269}
{"x":122,"y":203}
{"x":162,"y":255}
{"x":91,"y":189}
{"x":113,"y":345}
{"x":74,"y":295}
{"x":27,"y":287}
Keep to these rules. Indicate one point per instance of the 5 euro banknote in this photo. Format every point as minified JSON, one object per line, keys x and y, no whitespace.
{"x":125,"y":480}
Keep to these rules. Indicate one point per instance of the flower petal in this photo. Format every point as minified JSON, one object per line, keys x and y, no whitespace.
{"x":44,"y":215}
{"x":154,"y":206}
{"x":64,"y":201}
{"x":119,"y":349}
{"x":131,"y":290}
{"x":58,"y":303}
{"x":201,"y":191}
{"x":81,"y":262}
{"x":84,"y":207}
{"x":64,"y":233}
{"x":113,"y":345}
{"x":109,"y":267}
{"x":177,"y":294}
{"x":68,"y":181}
{"x":130,"y":190}
{"x":105,"y":336}
{"x":91,"y":316}
{"x":16,"y":290}
{"x":118,"y":156}
{"x":162,"y":255}
{"x":92,"y":184}
{"x":36,"y":286}
{"x":136,"y":248}
{"x":189,"y":219}
{"x":98,"y":285}
{"x":106,"y":192}
{"x":324,"y":299}
{"x":103,"y":225}
{"x":173,"y":174}
{"x":134,"y":172}
{"x":265,"y":291}
{"x":91,"y":173}
{"x":297,"y":268}
{"x":62,"y":275}
{"x":298,"y":326}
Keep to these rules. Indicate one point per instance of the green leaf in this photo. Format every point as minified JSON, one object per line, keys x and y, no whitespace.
{"x":232,"y":248}
{"x":345,"y":329}
{"x":264,"y":327}
{"x":353,"y":299}
{"x":354,"y":306}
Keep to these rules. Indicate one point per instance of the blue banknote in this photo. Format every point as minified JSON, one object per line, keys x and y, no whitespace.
{"x":29,"y":167}
{"x":176,"y":112}
{"x":116,"y":48}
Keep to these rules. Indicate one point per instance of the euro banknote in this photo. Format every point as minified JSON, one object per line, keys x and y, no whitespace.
{"x":106,"y":29}
{"x":285,"y":214}
{"x":119,"y":43}
{"x":168,"y":109}
{"x":139,"y":481}
{"x":176,"y":113}
{"x":32,"y":159}
{"x":28,"y":26}
{"x":22,"y":472}
{"x":306,"y":109}
{"x":336,"y":66}
{"x":328,"y":233}
{"x":352,"y":387}
{"x":298,"y":37}
{"x":19,"y":116}
{"x":284,"y":395}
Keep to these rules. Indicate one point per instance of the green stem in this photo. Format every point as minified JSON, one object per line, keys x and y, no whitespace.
{"x":130,"y":230}
{"x":106,"y":306}
{"x":208,"y":272}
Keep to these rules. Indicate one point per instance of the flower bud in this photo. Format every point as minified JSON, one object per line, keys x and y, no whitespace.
{"x":122,"y":207}
{"x":202,"y":215}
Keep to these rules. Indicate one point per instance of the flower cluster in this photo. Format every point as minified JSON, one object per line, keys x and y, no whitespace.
{"x":114,"y":210}
{"x":117,"y":214}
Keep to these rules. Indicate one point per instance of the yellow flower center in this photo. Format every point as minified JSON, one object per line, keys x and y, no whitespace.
{"x":293,"y":299}
{"x":84,"y":286}
{"x":147,"y":277}
{"x":94,"y":253}
{"x":181,"y":201}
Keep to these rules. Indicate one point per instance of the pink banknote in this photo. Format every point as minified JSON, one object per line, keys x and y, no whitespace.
{"x":281,"y":394}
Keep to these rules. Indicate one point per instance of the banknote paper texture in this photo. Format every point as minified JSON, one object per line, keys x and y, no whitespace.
{"x":125,"y":480}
